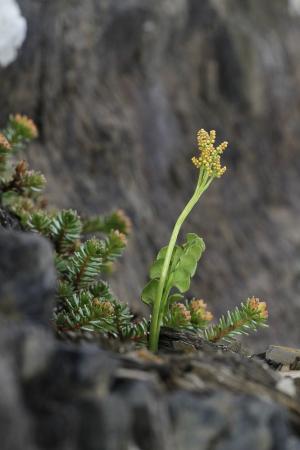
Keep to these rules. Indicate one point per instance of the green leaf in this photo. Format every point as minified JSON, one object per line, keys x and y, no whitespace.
{"x":156,"y":268}
{"x":182,"y":280}
{"x":149,"y":292}
{"x":162,"y":253}
{"x":182,"y":267}
{"x":184,"y":262}
{"x":195,"y":245}
{"x":178,"y":251}
{"x":188,"y":263}
{"x":195,"y":250}
{"x":191,"y":237}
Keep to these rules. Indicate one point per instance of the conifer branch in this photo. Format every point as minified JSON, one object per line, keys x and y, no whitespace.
{"x":117,"y":221}
{"x":113,"y":246}
{"x":84,"y":302}
{"x":65,"y":230}
{"x":86,"y":263}
{"x":39,"y":222}
{"x":248,"y":317}
{"x":126,"y":327}
{"x":82,"y":311}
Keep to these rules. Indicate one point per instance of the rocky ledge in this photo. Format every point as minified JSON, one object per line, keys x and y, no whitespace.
{"x":66,"y":395}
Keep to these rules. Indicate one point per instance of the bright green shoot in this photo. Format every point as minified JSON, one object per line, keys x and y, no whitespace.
{"x":175,"y":265}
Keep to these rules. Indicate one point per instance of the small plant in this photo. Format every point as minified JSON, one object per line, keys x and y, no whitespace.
{"x":175,"y":265}
{"x":84,"y":301}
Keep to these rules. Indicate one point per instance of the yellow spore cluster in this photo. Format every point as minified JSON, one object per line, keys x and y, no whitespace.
{"x":198,"y":308}
{"x":210,"y":156}
{"x":4,"y":144}
{"x":27,"y":124}
{"x":258,"y":306}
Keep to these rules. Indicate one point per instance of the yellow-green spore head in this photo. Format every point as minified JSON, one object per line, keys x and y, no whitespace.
{"x":210,"y":156}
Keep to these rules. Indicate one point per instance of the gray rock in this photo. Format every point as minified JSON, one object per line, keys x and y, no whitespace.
{"x":285,"y":356}
{"x":70,"y":394}
{"x":149,"y":418}
{"x":27,"y":276}
{"x":29,"y":347}
{"x":104,"y":424}
{"x":8,"y":220}
{"x":220,"y":420}
{"x":15,"y":421}
{"x":76,"y":396}
{"x":293,"y":443}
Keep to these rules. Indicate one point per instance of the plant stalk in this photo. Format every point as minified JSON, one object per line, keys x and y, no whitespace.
{"x":158,"y":307}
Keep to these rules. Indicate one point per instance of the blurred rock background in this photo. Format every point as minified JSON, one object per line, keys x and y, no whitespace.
{"x":119,"y":88}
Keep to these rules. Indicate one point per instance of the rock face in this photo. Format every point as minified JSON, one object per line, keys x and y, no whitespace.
{"x":8,"y":220}
{"x":60,"y":395}
{"x":68,"y":396}
{"x":119,"y":88}
{"x":27,"y":276}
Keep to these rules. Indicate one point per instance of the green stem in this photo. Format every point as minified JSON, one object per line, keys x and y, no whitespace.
{"x":202,"y":185}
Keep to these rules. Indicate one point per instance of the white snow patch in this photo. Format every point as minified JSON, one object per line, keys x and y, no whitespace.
{"x":294,"y":7}
{"x":13,"y":28}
